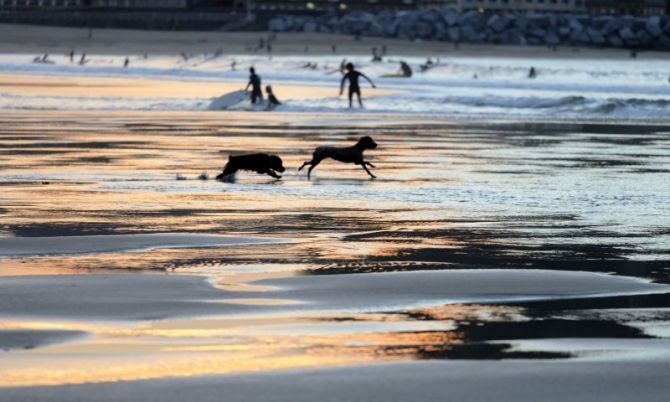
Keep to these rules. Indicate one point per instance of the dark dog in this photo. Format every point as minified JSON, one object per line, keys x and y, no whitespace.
{"x":346,"y":154}
{"x":259,"y":163}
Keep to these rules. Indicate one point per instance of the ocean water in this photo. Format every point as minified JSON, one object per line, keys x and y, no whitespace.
{"x":565,"y":88}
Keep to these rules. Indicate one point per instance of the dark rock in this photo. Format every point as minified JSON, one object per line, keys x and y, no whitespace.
{"x":595,"y":36}
{"x":614,"y":40}
{"x":450,"y":17}
{"x":424,"y":30}
{"x":653,"y":26}
{"x":552,"y":38}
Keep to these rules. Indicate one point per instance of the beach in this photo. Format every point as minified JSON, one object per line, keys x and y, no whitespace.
{"x":503,"y":252}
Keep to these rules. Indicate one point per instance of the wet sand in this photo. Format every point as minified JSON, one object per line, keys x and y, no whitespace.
{"x":465,"y":381}
{"x":528,"y":246}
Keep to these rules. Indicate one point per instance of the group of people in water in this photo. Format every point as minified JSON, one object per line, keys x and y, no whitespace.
{"x":350,"y":74}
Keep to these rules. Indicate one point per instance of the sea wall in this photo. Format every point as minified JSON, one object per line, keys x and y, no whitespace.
{"x":551,"y":29}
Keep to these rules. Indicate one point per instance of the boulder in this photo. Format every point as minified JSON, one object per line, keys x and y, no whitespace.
{"x":653,"y":26}
{"x":521,"y":22}
{"x":614,"y":40}
{"x":595,"y":36}
{"x":663,"y":42}
{"x":356,"y":22}
{"x":516,"y":37}
{"x":579,"y":38}
{"x":552,"y":38}
{"x":450,"y":17}
{"x":498,"y":23}
{"x":406,"y":31}
{"x":643,"y":38}
{"x":278,"y":24}
{"x":538,"y":33}
{"x":467,"y":33}
{"x":310,"y":26}
{"x":454,"y":34}
{"x":564,"y":31}
{"x":430,"y":16}
{"x":324,"y":29}
{"x":440,"y":31}
{"x":424,"y":30}
{"x":626,"y":34}
{"x":613,"y":25}
{"x":575,"y":25}
{"x":627,"y":21}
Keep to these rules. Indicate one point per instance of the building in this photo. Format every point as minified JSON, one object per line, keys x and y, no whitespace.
{"x":338,"y":5}
{"x":378,"y":5}
{"x":156,"y":4}
{"x":626,"y":7}
{"x":523,"y":5}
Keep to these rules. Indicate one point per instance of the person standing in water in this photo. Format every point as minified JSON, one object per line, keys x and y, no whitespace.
{"x":255,"y":84}
{"x":352,"y":75}
{"x":273,"y":102}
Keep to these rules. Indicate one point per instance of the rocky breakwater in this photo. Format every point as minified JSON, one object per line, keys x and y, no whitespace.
{"x":550,"y":29}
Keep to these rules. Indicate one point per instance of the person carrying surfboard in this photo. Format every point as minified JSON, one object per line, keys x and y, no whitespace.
{"x":352,"y":75}
{"x":255,"y":84}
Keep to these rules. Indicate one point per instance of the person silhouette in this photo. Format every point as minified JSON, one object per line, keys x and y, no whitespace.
{"x":405,"y":69}
{"x":352,"y":75}
{"x":255,"y":84}
{"x":273,"y":102}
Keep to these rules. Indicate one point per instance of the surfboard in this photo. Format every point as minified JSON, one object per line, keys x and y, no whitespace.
{"x":228,"y":100}
{"x":394,"y":76}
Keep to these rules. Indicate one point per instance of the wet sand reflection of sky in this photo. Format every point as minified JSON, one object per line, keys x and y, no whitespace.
{"x":450,"y":195}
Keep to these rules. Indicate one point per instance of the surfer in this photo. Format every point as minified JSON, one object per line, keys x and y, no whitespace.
{"x":273,"y":102}
{"x":126,"y":62}
{"x":531,"y":73}
{"x":375,"y":55}
{"x":255,"y":84}
{"x":405,"y":69}
{"x":352,"y":75}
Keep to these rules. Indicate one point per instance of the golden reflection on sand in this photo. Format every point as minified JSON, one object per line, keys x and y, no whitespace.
{"x":201,"y":347}
{"x":115,"y":172}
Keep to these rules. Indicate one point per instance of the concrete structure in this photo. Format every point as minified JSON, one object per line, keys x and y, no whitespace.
{"x":626,"y":7}
{"x":523,"y":5}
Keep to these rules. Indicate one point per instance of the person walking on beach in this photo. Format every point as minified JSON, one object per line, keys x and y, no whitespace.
{"x":352,"y":75}
{"x":255,"y":84}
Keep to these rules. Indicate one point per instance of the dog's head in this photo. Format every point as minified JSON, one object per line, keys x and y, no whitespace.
{"x":367,"y":143}
{"x":276,"y":163}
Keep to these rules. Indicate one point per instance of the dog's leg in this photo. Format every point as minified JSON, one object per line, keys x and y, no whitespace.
{"x":273,"y":174}
{"x":366,"y":169}
{"x":304,"y":164}
{"x":370,"y":164}
{"x":227,"y":173}
{"x":313,"y":165}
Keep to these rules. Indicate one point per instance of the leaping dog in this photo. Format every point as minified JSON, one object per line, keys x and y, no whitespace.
{"x":259,"y":163}
{"x":352,"y":154}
